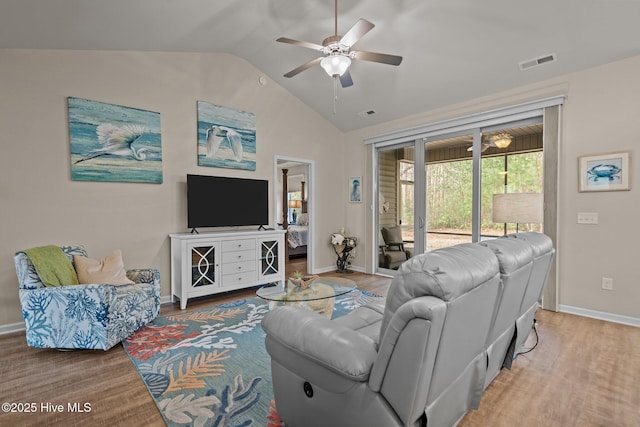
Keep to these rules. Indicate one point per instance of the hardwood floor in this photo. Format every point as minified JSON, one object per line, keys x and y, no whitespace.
{"x":584,"y":372}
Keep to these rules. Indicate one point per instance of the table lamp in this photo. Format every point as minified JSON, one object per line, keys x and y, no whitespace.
{"x":518,"y":208}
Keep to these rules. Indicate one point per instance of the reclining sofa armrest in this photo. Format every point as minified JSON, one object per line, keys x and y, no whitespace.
{"x":407,"y":354}
{"x":321,"y":341}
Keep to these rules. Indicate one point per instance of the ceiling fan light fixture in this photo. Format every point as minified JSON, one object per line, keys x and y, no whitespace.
{"x":502,"y":140}
{"x":335,"y":65}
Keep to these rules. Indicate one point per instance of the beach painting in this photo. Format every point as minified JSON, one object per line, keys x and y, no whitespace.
{"x":226,"y":137}
{"x":114,"y":143}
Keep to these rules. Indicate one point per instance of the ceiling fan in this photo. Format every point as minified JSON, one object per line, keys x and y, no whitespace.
{"x":338,"y":54}
{"x":501,"y":140}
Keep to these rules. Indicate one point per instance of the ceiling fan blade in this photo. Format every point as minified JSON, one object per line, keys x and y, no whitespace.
{"x":359,"y":29}
{"x":484,"y":147}
{"x":378,"y":57}
{"x":345,"y":79}
{"x":299,"y":43}
{"x":303,"y":67}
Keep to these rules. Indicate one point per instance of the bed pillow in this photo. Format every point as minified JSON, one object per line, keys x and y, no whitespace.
{"x":303,"y":219}
{"x":109,"y":270}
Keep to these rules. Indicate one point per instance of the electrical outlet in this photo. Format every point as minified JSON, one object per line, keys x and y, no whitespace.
{"x":607,"y":283}
{"x":588,"y":218}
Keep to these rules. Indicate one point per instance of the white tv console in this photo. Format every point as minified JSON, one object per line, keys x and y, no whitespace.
{"x":210,"y":263}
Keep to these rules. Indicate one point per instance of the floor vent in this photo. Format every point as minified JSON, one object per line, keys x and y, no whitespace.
{"x":367,"y":113}
{"x":530,"y":63}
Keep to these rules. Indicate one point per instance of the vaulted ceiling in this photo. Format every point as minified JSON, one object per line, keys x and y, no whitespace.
{"x":454,"y":50}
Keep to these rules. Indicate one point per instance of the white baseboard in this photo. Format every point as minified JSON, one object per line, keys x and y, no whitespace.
{"x":11,"y":328}
{"x":333,"y":268}
{"x":600,"y":315}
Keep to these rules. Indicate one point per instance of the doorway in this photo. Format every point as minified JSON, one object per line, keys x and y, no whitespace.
{"x":294,"y":207}
{"x":475,"y":127}
{"x":433,"y":191}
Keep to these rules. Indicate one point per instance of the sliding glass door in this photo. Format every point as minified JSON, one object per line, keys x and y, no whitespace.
{"x":440,"y":191}
{"x":396,"y":209}
{"x":448,"y":191}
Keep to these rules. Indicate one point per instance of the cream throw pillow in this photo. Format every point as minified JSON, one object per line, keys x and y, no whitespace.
{"x":108,"y":271}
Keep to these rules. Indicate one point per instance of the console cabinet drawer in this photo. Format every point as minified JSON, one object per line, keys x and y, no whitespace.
{"x":232,"y":280}
{"x":238,"y":267}
{"x":238,"y":256}
{"x":238,"y":245}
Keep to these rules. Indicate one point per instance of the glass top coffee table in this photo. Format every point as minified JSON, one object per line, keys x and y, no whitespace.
{"x":319,"y":296}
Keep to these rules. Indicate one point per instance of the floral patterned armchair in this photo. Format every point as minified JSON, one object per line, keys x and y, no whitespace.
{"x":93,"y":316}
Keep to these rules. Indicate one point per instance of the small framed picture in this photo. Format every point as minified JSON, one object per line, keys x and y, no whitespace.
{"x":355,"y":189}
{"x":604,"y":172}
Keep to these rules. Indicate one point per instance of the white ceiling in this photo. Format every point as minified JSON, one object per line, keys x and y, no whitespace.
{"x":454,"y":50}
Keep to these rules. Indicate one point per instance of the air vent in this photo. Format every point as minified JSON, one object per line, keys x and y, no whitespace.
{"x":530,"y":63}
{"x":367,"y":113}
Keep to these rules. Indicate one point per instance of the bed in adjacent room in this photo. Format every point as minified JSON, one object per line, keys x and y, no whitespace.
{"x":297,"y":236}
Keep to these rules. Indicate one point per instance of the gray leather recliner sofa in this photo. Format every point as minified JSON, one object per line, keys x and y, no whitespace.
{"x":515,"y":258}
{"x":543,"y":255}
{"x":424,"y":358}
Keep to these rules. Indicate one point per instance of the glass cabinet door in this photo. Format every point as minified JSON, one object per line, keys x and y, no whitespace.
{"x":204,"y":265}
{"x":269,"y":257}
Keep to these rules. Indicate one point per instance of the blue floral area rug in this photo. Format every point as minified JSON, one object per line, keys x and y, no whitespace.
{"x":209,"y":367}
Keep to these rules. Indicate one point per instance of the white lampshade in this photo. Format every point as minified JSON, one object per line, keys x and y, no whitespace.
{"x":502,"y":140}
{"x":335,"y":64}
{"x":518,"y":208}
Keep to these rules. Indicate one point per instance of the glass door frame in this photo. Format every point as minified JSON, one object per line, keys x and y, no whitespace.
{"x":476,"y":124}
{"x":376,"y":203}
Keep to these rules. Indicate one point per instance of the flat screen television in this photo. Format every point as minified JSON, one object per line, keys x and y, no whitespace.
{"x":216,"y":201}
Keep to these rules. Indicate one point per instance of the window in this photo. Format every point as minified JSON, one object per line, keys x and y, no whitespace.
{"x":511,"y":173}
{"x":467,"y":138}
{"x":405,"y":198}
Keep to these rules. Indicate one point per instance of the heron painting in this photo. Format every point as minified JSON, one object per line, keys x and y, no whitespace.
{"x":114,"y":143}
{"x":226,"y":137}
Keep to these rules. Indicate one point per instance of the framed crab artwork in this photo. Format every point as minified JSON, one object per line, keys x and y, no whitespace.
{"x":604,"y":172}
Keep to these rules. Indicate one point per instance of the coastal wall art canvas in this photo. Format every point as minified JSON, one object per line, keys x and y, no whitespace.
{"x":114,"y":143}
{"x":355,"y":189}
{"x":226,"y":137}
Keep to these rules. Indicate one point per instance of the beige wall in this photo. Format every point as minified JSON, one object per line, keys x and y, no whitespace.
{"x":600,"y":115}
{"x":39,"y":204}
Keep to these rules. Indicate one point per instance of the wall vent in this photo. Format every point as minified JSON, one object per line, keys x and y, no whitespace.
{"x":367,"y":113}
{"x":541,"y":60}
